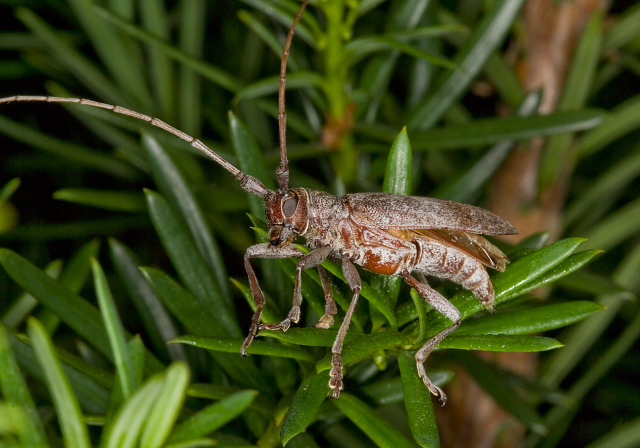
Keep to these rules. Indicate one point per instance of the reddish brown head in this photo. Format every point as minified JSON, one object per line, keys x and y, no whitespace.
{"x":287,"y":215}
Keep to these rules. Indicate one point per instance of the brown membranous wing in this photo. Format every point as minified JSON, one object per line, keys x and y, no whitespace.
{"x":473,"y":245}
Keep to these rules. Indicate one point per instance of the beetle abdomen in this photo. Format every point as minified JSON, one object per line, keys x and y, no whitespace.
{"x":438,"y":260}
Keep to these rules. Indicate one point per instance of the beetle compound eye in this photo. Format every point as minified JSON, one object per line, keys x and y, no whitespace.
{"x":289,"y":206}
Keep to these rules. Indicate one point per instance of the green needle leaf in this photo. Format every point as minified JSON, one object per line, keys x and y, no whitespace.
{"x":500,"y":343}
{"x":208,"y":71}
{"x":365,"y":346}
{"x":76,"y":312}
{"x":488,"y":131}
{"x":532,"y":320}
{"x":115,"y":331}
{"x":381,"y":432}
{"x":15,"y":391}
{"x":108,"y":200}
{"x":174,"y":186}
{"x":258,"y":347}
{"x":189,"y":263}
{"x":213,"y":417}
{"x":304,"y":405}
{"x":67,"y":407}
{"x":199,"y":320}
{"x":129,"y":422}
{"x":480,"y":45}
{"x":167,"y":407}
{"x":418,"y":403}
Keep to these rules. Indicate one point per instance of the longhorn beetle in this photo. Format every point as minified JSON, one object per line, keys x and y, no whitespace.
{"x":383,"y":233}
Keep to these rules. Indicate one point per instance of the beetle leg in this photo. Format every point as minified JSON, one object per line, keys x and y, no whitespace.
{"x":444,"y":307}
{"x":330,"y":306}
{"x":312,"y":259}
{"x":335,"y":375}
{"x":264,"y":250}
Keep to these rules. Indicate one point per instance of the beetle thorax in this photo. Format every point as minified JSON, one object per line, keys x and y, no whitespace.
{"x":325,"y":212}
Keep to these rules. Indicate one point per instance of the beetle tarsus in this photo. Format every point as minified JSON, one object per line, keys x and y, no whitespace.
{"x":284,"y":325}
{"x":335,"y":376}
{"x":439,"y":393}
{"x":246,"y":343}
{"x":325,"y":321}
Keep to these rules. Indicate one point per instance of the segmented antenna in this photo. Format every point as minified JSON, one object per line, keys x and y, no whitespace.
{"x":282,"y":172}
{"x":248,"y":183}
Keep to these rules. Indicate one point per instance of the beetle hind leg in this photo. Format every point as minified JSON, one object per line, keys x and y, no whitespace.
{"x":423,"y":354}
{"x":444,"y":307}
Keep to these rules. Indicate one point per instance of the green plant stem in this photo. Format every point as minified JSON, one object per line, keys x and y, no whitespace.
{"x":336,"y":71}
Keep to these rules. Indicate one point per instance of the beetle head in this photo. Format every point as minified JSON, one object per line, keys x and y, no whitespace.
{"x":287,"y":215}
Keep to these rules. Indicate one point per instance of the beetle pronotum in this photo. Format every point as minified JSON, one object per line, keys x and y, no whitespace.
{"x":383,"y":233}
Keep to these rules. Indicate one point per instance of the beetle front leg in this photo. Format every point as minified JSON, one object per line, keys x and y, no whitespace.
{"x":312,"y":259}
{"x":335,"y":375}
{"x":264,"y":250}
{"x":443,"y":306}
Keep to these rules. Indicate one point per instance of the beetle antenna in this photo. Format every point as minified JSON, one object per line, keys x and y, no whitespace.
{"x":282,"y":172}
{"x":248,"y":183}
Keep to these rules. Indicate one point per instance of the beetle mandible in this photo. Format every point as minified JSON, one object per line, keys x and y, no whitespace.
{"x":383,"y":233}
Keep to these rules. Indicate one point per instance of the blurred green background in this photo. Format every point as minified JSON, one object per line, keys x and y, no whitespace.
{"x":466,"y":79}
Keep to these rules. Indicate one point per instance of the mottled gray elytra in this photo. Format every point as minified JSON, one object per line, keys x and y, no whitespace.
{"x":383,"y":233}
